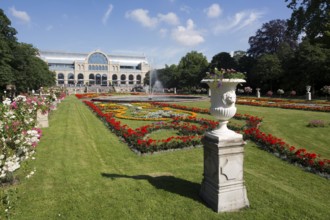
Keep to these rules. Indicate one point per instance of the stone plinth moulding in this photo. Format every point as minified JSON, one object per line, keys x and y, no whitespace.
{"x":223,"y":186}
{"x":42,"y":119}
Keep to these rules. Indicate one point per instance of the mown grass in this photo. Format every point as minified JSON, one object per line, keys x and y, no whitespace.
{"x":83,"y":171}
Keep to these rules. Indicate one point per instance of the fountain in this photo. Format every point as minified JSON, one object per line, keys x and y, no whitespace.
{"x":157,"y":86}
{"x":156,"y":94}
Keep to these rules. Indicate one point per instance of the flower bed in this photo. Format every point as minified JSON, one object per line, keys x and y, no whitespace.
{"x":281,"y":103}
{"x":310,"y":161}
{"x":189,"y":129}
{"x":90,"y":95}
{"x":190,"y":135}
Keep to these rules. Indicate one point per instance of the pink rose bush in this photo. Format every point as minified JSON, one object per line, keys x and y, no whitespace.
{"x":18,"y":132}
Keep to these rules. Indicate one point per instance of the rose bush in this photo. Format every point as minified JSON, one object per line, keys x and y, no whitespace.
{"x":18,"y":133}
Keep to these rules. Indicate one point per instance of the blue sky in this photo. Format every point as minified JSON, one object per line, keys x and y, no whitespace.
{"x":163,"y":30}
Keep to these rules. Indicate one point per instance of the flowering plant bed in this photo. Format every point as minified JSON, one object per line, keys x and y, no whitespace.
{"x":90,"y":95}
{"x":310,"y":161}
{"x":190,"y":130}
{"x":285,"y":104}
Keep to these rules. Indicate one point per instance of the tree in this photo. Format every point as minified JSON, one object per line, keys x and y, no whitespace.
{"x":267,"y":71}
{"x":7,"y":32}
{"x":268,"y":39}
{"x":146,"y":80}
{"x":309,"y":17}
{"x":6,"y":73}
{"x":169,"y":76}
{"x":29,"y":70}
{"x":245,"y":64}
{"x":223,"y":60}
{"x":19,"y":63}
{"x":7,"y":40}
{"x":238,"y":55}
{"x":310,"y":65}
{"x":191,"y":69}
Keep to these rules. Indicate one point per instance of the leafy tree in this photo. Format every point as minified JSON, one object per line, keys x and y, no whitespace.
{"x":191,"y":69}
{"x":238,"y":55}
{"x":7,"y":40}
{"x":326,"y":36}
{"x":310,"y":64}
{"x":19,"y":63}
{"x":7,"y":32}
{"x":223,"y":60}
{"x":310,"y":17}
{"x":269,"y":38}
{"x":267,"y":71}
{"x":169,"y":76}
{"x":245,"y":64}
{"x":6,"y":73}
{"x":146,"y":80}
{"x":29,"y":70}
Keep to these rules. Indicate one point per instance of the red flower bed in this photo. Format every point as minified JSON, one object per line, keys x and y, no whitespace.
{"x":280,"y":103}
{"x":270,"y":143}
{"x":191,"y":134}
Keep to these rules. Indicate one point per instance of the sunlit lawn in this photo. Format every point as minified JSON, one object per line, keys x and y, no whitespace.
{"x":290,"y":125}
{"x":83,"y":171}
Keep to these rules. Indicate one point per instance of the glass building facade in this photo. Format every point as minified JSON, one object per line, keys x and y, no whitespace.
{"x":96,"y":68}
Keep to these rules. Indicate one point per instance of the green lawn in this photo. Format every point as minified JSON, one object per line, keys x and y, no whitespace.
{"x":83,"y":171}
{"x":290,"y":125}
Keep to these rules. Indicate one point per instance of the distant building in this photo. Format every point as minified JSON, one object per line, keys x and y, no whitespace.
{"x":96,"y":68}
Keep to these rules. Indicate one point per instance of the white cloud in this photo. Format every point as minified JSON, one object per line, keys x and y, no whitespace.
{"x":169,"y":18}
{"x":239,"y":21}
{"x":107,"y":14}
{"x":213,"y":11}
{"x":141,"y":16}
{"x":187,"y":36}
{"x":20,"y":15}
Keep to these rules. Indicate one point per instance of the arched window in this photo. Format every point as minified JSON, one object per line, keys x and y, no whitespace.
{"x":91,"y":79}
{"x":114,"y":79}
{"x":131,"y":79}
{"x":80,"y":79}
{"x":98,"y":79}
{"x":104,"y":80}
{"x":60,"y":78}
{"x":123,"y":79}
{"x":97,"y":58}
{"x":70,"y":78}
{"x":138,"y":79}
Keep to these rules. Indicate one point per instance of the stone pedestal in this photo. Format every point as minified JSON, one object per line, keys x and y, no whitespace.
{"x":54,"y":105}
{"x":42,"y":120}
{"x":308,"y":96}
{"x":258,"y":93}
{"x":223,"y":186}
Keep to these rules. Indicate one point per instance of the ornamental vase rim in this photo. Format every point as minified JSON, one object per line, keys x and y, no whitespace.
{"x":234,"y":80}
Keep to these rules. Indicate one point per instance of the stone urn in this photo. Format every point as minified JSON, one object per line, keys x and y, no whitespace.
{"x":223,"y":99}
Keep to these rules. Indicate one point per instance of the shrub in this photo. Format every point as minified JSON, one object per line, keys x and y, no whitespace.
{"x":316,"y":123}
{"x":269,"y":93}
